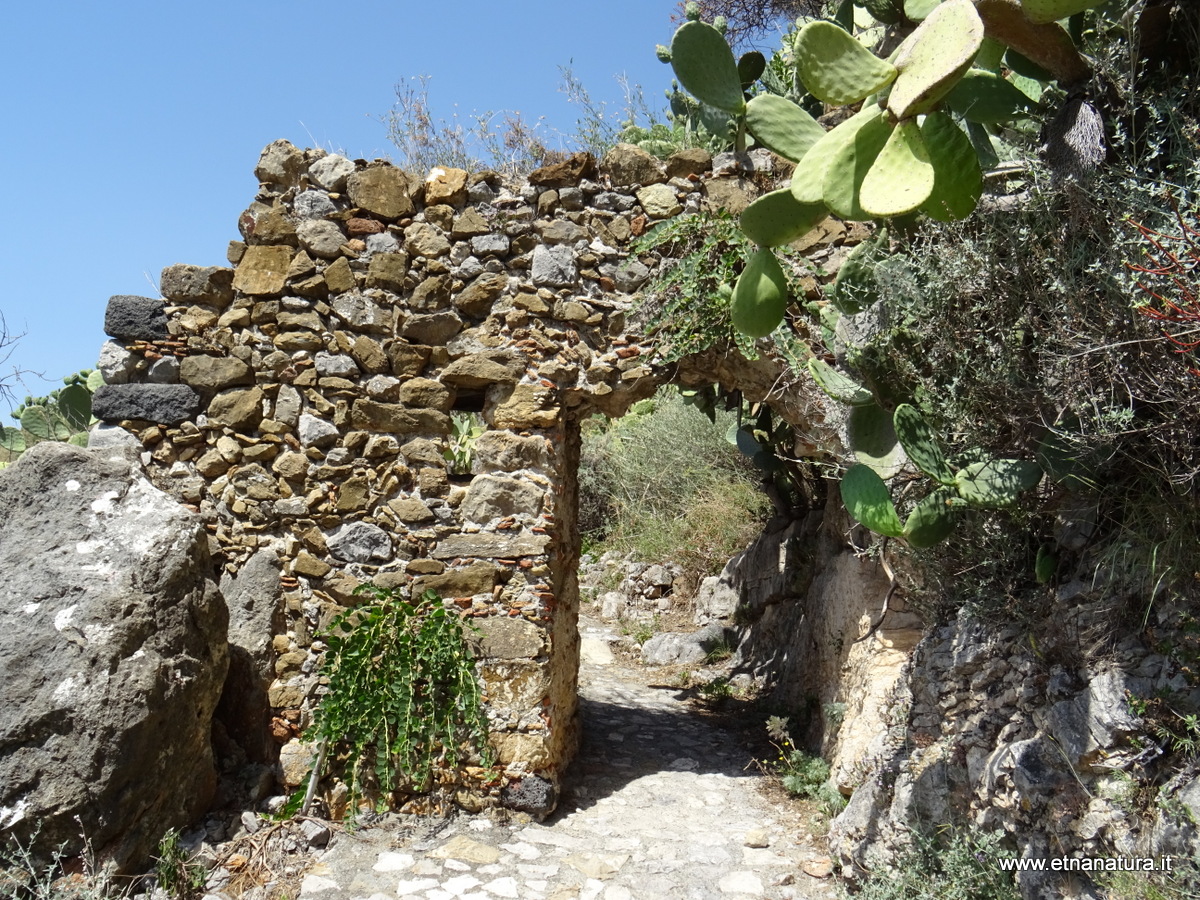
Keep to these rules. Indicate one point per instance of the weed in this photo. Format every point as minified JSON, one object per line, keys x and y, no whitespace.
{"x":802,"y":774}
{"x":953,"y":864}
{"x":30,"y":873}
{"x":641,"y":630}
{"x":716,"y":690}
{"x":176,"y":870}
{"x":403,"y":700}
{"x":718,"y":652}
{"x":465,"y":429}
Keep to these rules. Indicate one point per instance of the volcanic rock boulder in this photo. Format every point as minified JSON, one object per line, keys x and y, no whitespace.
{"x":112,"y":654}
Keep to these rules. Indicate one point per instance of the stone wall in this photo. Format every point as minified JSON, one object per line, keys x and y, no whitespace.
{"x":301,"y":401}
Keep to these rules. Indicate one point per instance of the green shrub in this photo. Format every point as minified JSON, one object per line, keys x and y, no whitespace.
{"x":956,"y":864}
{"x":664,"y":484}
{"x":403,"y":704}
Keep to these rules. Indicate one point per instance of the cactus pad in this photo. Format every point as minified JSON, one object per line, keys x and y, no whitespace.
{"x":931,"y":521}
{"x":886,"y":12}
{"x":986,"y":97}
{"x":957,"y":178}
{"x":808,"y":181}
{"x":996,"y":483}
{"x":782,"y":127}
{"x":1041,"y":12}
{"x":873,"y":440}
{"x":901,"y":178}
{"x":835,"y":67}
{"x":916,"y":10}
{"x":855,"y":287}
{"x":919,"y":442}
{"x":704,"y":65}
{"x":867,"y":500}
{"x":45,"y":423}
{"x":933,"y":58}
{"x":75,"y":406}
{"x":760,"y":296}
{"x":12,"y":439}
{"x":779,"y":218}
{"x":750,"y":67}
{"x":851,"y":162}
{"x":838,"y":385}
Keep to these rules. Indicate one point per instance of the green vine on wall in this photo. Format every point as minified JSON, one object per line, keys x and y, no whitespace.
{"x":404,"y":705}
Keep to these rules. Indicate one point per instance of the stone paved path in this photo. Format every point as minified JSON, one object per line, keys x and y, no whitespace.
{"x":658,"y":804}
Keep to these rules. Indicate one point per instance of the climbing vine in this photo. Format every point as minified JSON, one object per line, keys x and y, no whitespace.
{"x":403,"y":704}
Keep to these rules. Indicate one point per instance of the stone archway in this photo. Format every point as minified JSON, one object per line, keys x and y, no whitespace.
{"x":300,"y":403}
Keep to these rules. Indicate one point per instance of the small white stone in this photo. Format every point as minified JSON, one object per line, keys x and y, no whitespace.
{"x":741,"y":883}
{"x":393,"y":862}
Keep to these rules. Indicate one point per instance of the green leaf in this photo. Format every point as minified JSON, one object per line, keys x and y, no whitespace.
{"x":996,"y":483}
{"x":851,"y":162}
{"x":920,"y":443}
{"x":873,"y":440}
{"x":931,"y":521}
{"x":782,"y":127}
{"x":902,"y":177}
{"x":986,"y":97}
{"x":705,"y":67}
{"x":808,"y":181}
{"x":867,"y":499}
{"x":779,"y":218}
{"x":835,"y":67}
{"x":957,"y":178}
{"x":838,"y":385}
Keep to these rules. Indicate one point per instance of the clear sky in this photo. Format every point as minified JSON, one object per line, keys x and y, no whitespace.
{"x":133,"y":128}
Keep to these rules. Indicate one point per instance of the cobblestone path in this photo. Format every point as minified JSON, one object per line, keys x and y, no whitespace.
{"x":659,"y":804}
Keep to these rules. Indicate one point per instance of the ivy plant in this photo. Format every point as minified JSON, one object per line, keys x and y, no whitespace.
{"x":404,"y":702}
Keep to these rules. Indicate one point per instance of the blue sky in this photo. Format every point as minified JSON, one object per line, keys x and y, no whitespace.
{"x":132,"y":128}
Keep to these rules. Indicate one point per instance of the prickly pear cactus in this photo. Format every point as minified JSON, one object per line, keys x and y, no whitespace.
{"x":931,"y":521}
{"x":867,"y":499}
{"x":760,"y":296}
{"x":902,"y":176}
{"x":873,"y":440}
{"x":839,"y":386}
{"x":957,"y":176}
{"x":782,"y":127}
{"x":996,"y":483}
{"x":1041,"y":12}
{"x":988,"y":98}
{"x":918,"y":441}
{"x":934,"y":57}
{"x":705,"y":66}
{"x":779,"y":218}
{"x":835,"y":67}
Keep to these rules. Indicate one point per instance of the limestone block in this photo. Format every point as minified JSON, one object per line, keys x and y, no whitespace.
{"x":387,"y":271}
{"x":527,"y":406}
{"x":432,"y":328}
{"x":381,"y":190}
{"x":423,"y":239}
{"x":626,"y":164}
{"x":426,"y":393}
{"x":446,"y":185}
{"x":494,"y":496}
{"x":213,"y":373}
{"x":237,"y":408}
{"x":554,"y":266}
{"x":331,"y":172}
{"x":479,"y":370}
{"x":503,"y":451}
{"x":476,"y":299}
{"x":490,"y":546}
{"x":263,"y":270}
{"x":321,"y":237}
{"x":280,"y":164}
{"x":477,"y":578}
{"x":209,"y":285}
{"x":361,"y":313}
{"x":508,"y":638}
{"x":659,"y":201}
{"x":359,"y":542}
{"x":393,"y":418}
{"x":515,"y":684}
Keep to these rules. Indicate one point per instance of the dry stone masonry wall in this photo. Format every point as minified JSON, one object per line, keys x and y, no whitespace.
{"x":301,"y":401}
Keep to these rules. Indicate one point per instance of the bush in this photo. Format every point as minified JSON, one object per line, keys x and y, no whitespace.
{"x":664,"y":484}
{"x":954,"y":865}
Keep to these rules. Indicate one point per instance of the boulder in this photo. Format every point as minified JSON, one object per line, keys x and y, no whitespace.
{"x":672,"y":648}
{"x":113,"y":649}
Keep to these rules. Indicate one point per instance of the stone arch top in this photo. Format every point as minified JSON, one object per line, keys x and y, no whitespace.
{"x":301,"y":399}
